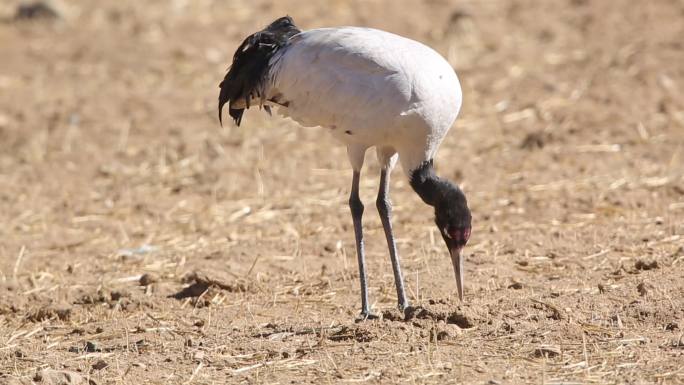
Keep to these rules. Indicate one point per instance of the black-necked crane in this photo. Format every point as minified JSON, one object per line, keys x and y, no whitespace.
{"x":368,"y":88}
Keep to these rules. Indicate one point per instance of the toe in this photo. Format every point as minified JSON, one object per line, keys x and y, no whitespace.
{"x":366,"y":316}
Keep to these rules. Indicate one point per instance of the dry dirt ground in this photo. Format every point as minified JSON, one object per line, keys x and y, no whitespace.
{"x":141,"y":243}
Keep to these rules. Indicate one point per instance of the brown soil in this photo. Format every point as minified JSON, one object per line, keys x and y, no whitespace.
{"x":141,"y":243}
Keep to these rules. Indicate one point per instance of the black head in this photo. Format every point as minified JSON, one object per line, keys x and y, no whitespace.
{"x":453,"y":219}
{"x":452,"y":215}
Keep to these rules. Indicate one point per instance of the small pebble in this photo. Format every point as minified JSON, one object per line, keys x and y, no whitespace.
{"x":644,"y":288}
{"x":99,"y":365}
{"x":91,"y":347}
{"x":148,"y":279}
{"x":35,"y":10}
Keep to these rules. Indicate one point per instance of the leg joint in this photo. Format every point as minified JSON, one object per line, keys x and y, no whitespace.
{"x":384,"y":206}
{"x":356,"y":205}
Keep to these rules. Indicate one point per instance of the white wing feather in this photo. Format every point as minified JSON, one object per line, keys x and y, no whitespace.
{"x":331,"y":78}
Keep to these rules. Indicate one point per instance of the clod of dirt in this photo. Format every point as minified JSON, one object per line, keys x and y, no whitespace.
{"x":99,"y":365}
{"x":642,"y":265}
{"x":602,"y":288}
{"x":92,"y":298}
{"x":141,"y":345}
{"x":89,"y":347}
{"x":556,"y":313}
{"x":359,"y":333}
{"x":394,"y":315}
{"x":117,"y":295}
{"x":547,"y":351}
{"x":201,"y":283}
{"x":92,"y":347}
{"x":506,"y":328}
{"x":438,"y":335}
{"x":463,"y":317}
{"x":671,"y":326}
{"x":49,"y":312}
{"x":442,"y":331}
{"x":148,"y":279}
{"x":34,"y":11}
{"x":535,"y":140}
{"x":644,"y":288}
{"x":195,"y":289}
{"x":61,"y":377}
{"x":116,"y":299}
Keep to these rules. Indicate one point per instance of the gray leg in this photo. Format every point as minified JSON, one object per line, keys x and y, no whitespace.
{"x":356,"y":207}
{"x":385,"y":210}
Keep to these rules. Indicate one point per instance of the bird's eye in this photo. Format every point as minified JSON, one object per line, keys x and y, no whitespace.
{"x":458,"y":234}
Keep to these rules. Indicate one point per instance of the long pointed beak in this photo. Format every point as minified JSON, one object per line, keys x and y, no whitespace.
{"x":457,"y":261}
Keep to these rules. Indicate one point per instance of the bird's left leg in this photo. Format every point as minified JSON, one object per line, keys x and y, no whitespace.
{"x":356,"y":155}
{"x":387,"y":160}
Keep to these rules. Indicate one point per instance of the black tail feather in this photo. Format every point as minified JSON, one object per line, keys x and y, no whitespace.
{"x":250,"y":65}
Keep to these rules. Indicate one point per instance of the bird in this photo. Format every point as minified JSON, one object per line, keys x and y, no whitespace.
{"x":370,"y":89}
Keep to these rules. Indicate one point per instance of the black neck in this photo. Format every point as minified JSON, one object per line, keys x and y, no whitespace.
{"x":428,"y":185}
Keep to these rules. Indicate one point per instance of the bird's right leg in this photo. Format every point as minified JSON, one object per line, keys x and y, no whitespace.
{"x":385,"y":210}
{"x":356,"y":206}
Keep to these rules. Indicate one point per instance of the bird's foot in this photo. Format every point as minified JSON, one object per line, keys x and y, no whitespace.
{"x":366,"y":315}
{"x":406,"y":309}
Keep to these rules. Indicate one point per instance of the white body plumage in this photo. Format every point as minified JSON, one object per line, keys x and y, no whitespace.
{"x":368,"y":88}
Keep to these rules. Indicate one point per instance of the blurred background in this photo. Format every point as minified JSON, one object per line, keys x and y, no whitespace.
{"x":570,"y":147}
